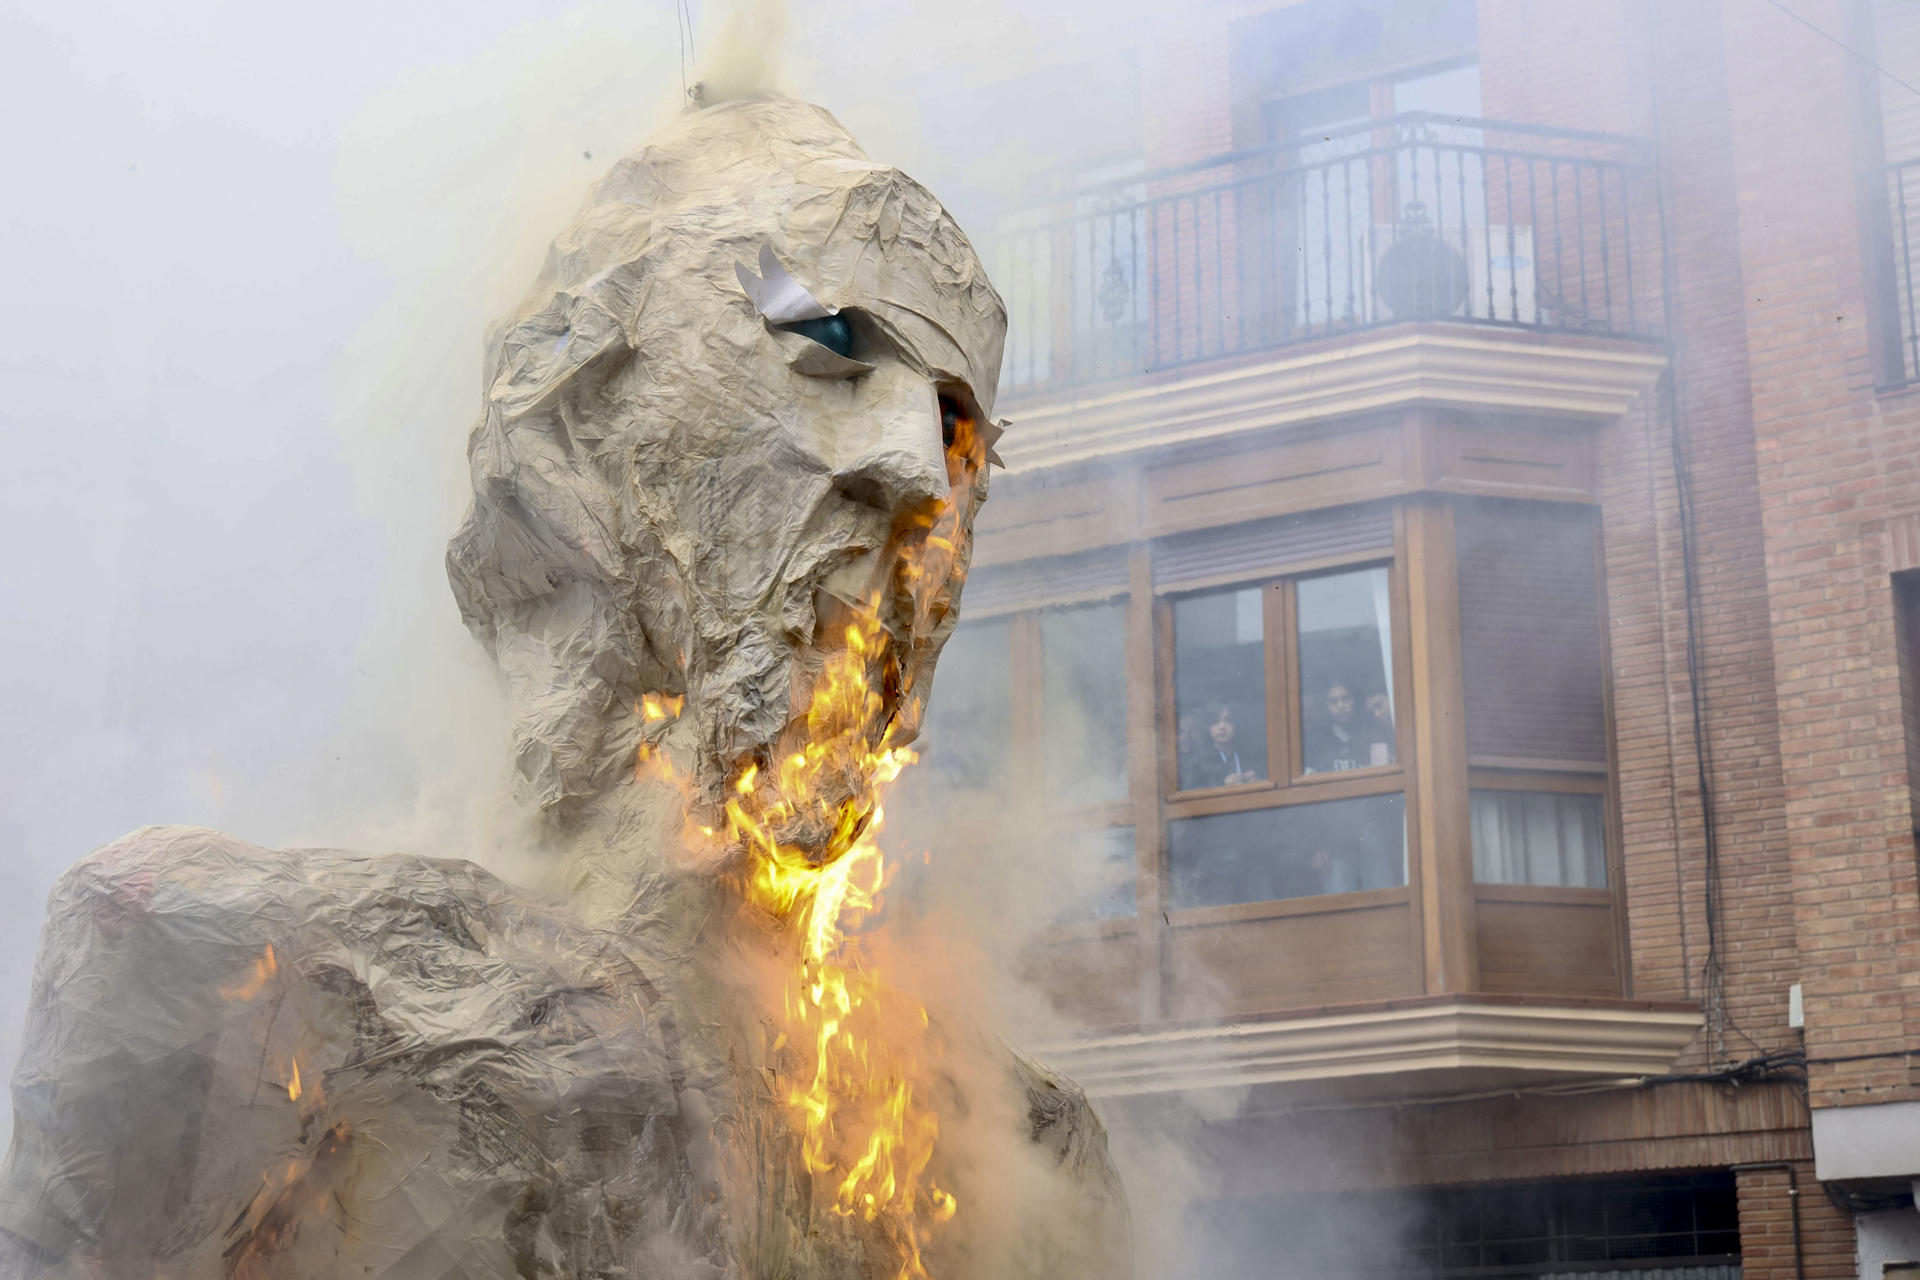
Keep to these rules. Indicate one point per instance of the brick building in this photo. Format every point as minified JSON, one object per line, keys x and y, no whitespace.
{"x":1447,"y":622}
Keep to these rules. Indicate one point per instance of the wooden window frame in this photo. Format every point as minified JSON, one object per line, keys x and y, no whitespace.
{"x":1286,"y":785}
{"x":1281,"y":655}
{"x":1432,"y":769}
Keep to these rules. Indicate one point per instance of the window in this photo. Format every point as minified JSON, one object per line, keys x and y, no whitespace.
{"x":1083,"y":705}
{"x":1533,"y":664}
{"x":1660,"y":1227}
{"x":1896,"y":227}
{"x":1346,"y":209}
{"x":1283,"y":780}
{"x":1220,"y":696}
{"x":1538,"y":838}
{"x":1906,"y":633}
{"x":1025,"y":743}
{"x":1346,"y":672}
{"x":964,"y":743}
{"x":1293,"y":851}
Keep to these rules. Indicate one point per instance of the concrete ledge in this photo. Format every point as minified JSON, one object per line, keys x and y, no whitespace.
{"x":1455,"y":365}
{"x":1879,"y":1140}
{"x":1450,"y":1039}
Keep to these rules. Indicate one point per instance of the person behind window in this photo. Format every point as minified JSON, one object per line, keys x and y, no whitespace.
{"x":1216,"y":762}
{"x":1342,"y":738}
{"x":1190,"y":739}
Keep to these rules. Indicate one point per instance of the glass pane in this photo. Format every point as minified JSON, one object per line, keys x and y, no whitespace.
{"x":1297,"y":851}
{"x":1346,"y":671}
{"x":1453,"y":92}
{"x":963,"y":745}
{"x":1096,"y":869}
{"x":1220,"y":688}
{"x":1530,"y":632}
{"x":1538,"y":837}
{"x":1083,"y":704}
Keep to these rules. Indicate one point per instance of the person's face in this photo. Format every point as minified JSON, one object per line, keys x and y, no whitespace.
{"x":1377,"y":706}
{"x":1221,"y":730}
{"x":1339,"y":704}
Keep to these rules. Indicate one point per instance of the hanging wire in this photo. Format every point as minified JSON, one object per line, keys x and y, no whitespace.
{"x":683,"y":16}
{"x":1837,"y":42}
{"x":680,"y":41}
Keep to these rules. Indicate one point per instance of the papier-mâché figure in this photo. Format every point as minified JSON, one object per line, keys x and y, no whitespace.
{"x":723,"y":500}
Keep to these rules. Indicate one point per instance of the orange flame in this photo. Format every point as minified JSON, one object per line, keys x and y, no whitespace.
{"x":862,"y":1047}
{"x":264,"y":970}
{"x":293,"y":1086}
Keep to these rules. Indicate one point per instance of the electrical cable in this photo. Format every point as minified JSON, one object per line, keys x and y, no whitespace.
{"x":1712,"y":975}
{"x":1842,"y":45}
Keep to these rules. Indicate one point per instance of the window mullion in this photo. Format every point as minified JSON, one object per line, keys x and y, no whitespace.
{"x":1439,"y":766}
{"x":1281,"y":668}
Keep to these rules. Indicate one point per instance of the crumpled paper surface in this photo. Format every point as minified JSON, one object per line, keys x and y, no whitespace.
{"x":665,"y":479}
{"x":487,"y":1087}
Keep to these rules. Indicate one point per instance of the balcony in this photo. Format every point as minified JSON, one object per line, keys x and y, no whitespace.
{"x":1314,"y":417}
{"x":1475,"y":223}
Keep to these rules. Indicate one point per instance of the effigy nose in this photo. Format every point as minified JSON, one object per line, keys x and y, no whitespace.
{"x":903,"y":470}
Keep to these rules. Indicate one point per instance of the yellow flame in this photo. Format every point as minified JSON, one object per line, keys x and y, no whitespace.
{"x":293,"y":1086}
{"x":655,"y":707}
{"x":863,"y":1128}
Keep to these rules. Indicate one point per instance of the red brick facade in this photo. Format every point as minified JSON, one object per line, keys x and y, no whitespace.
{"x":1804,"y":473}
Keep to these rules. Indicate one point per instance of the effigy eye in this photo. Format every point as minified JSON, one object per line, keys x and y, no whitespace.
{"x":831,"y":332}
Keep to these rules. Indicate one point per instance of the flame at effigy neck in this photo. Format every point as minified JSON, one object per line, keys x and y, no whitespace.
{"x":857,"y":1058}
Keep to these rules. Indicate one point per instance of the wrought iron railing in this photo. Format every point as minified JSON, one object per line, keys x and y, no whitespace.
{"x":1417,"y":216}
{"x":1903,"y":212}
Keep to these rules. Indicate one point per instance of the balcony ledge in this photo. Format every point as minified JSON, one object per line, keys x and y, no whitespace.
{"x":1430,"y":1045}
{"x":1449,"y":364}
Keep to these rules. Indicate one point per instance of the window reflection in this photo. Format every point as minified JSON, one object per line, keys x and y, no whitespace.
{"x":1295,"y":851}
{"x":1083,"y":704}
{"x":1097,"y":870}
{"x":964,"y":742}
{"x":1346,"y":671}
{"x":1538,"y":837}
{"x":1220,"y":688}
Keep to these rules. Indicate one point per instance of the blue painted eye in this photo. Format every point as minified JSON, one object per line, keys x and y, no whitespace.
{"x":831,"y":332}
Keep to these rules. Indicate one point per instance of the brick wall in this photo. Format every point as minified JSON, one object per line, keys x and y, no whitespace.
{"x":1806,"y":485}
{"x":1767,"y":1231}
{"x":1662,"y":70}
{"x":1837,"y":462}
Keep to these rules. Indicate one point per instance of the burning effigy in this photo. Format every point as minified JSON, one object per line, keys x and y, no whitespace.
{"x":724,"y":490}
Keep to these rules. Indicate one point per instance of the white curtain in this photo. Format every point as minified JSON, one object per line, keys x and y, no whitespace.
{"x":1538,"y":837}
{"x":1383,"y":627}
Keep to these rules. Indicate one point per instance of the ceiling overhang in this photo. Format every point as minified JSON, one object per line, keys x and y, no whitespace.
{"x":1556,"y":376}
{"x":1431,"y":1045}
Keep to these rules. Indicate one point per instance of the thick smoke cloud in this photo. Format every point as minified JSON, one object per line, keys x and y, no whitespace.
{"x":253,"y":254}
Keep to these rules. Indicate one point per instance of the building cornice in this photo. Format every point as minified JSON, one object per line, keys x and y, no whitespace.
{"x":1553,"y":375}
{"x":1451,"y":1038}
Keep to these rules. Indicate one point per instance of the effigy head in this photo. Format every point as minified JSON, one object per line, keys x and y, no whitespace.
{"x":746,"y":402}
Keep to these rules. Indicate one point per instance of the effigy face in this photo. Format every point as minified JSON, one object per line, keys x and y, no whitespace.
{"x":747,"y":400}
